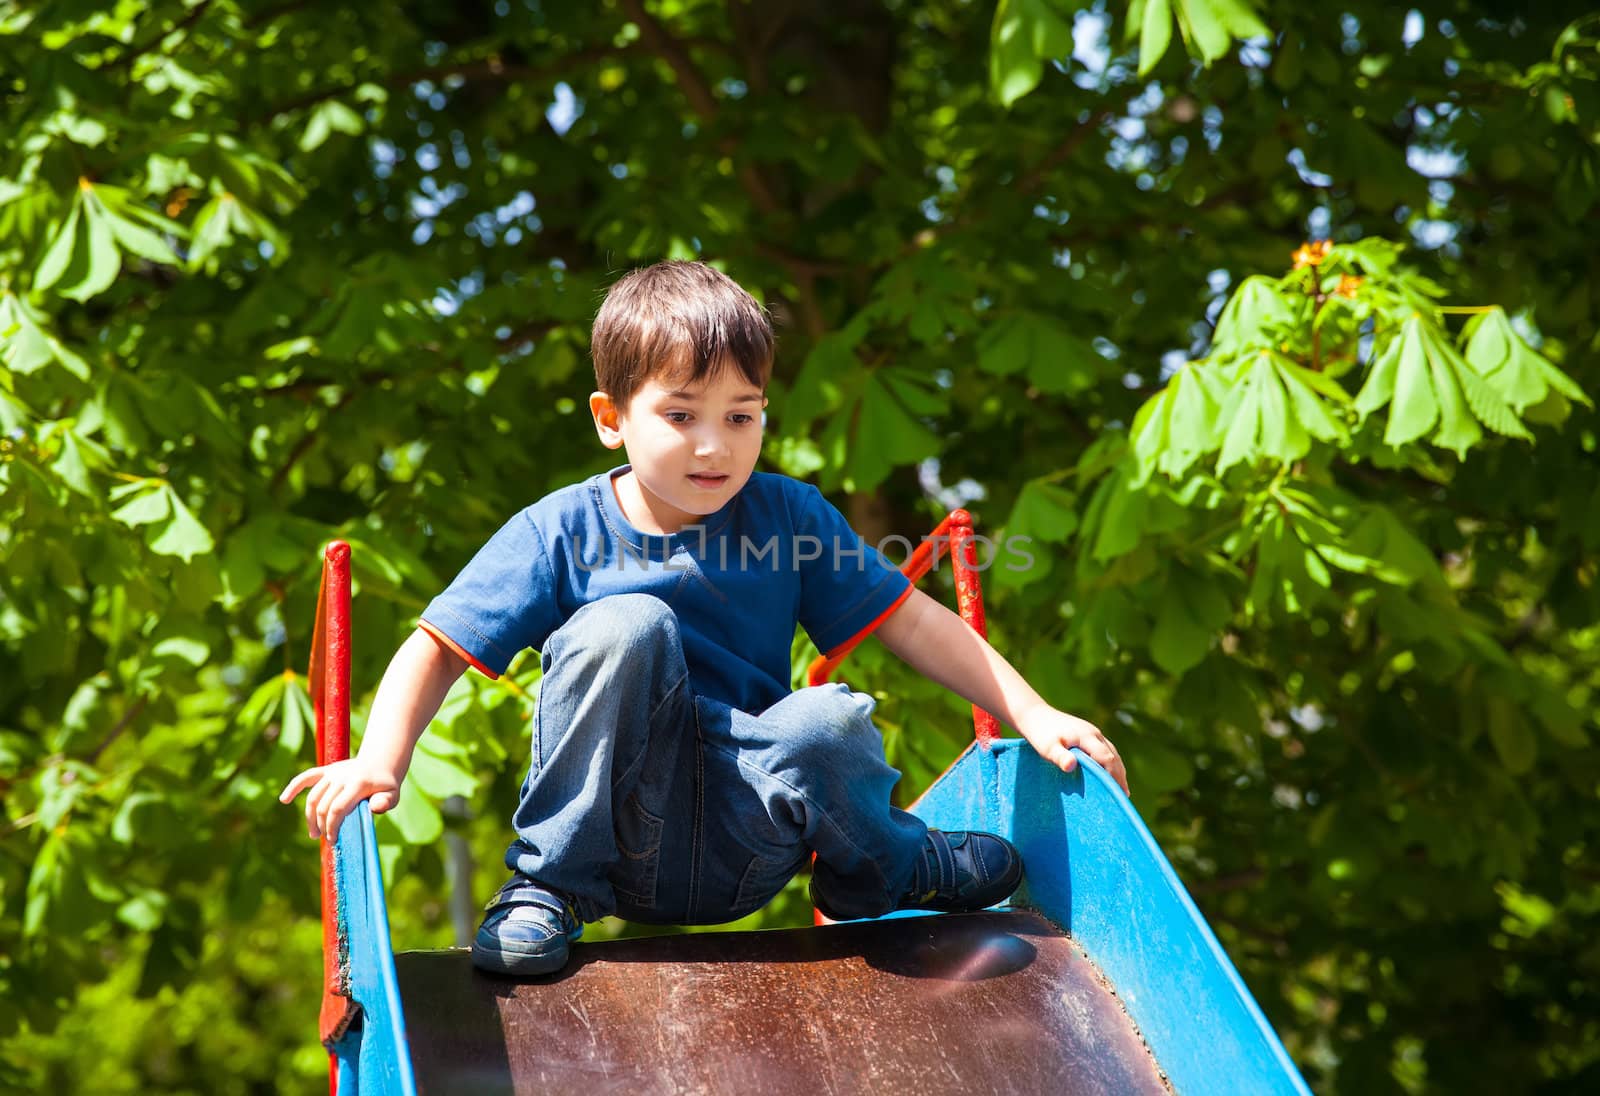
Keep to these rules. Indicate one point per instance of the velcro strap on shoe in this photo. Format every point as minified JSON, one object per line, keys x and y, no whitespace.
{"x":944,"y":861}
{"x":528,"y":894}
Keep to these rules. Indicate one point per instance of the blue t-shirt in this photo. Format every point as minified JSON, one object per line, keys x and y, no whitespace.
{"x":777,"y":554}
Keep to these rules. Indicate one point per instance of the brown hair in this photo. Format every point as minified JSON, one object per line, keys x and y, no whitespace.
{"x":678,"y":316}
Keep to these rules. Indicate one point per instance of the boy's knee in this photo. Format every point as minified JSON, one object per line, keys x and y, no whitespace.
{"x":833,"y":718}
{"x":623,"y":622}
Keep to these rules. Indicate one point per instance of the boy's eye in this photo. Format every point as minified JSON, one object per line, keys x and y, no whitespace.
{"x":678,"y":416}
{"x":742,"y":419}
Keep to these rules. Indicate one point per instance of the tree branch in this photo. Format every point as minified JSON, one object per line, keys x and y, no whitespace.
{"x":1064,"y":151}
{"x":693,"y":84}
{"x":488,"y":68}
{"x":127,"y":59}
{"x":303,"y":446}
{"x":122,"y":724}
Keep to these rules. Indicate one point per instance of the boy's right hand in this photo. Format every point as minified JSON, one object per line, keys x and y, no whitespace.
{"x":337,"y":788}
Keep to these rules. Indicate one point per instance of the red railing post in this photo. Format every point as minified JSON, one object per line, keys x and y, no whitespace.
{"x":329,"y":681}
{"x":954,"y":536}
{"x":969,"y":599}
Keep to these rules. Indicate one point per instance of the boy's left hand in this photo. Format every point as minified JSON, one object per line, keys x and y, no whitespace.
{"x":1054,"y":733}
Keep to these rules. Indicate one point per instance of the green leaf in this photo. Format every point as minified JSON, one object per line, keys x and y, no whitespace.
{"x":438,"y":777}
{"x":44,"y":882}
{"x":1255,"y":317}
{"x":1191,"y":609}
{"x":1282,"y":436}
{"x":1303,"y":386}
{"x":1398,"y":555}
{"x":59,"y":254}
{"x":1378,"y":390}
{"x":299,"y":715}
{"x":1192,"y":428}
{"x":183,"y":535}
{"x":416,"y":819}
{"x":25,"y":344}
{"x":329,"y":116}
{"x":1151,"y":429}
{"x":141,"y":241}
{"x":1511,"y":732}
{"x":1024,"y":34}
{"x":1156,"y":768}
{"x":186,"y":649}
{"x":1055,"y":358}
{"x":886,"y":434}
{"x":1155,"y":33}
{"x":1457,"y":429}
{"x":216,"y":225}
{"x":1257,"y":413}
{"x":143,"y":912}
{"x":1044,"y":511}
{"x":1117,"y":515}
{"x":258,"y":711}
{"x":104,"y":260}
{"x":153,"y":503}
{"x":1206,"y":30}
{"x":71,"y":466}
{"x":148,"y":817}
{"x":1519,"y":374}
{"x":1562,"y":722}
{"x":829,"y":375}
{"x":1179,"y":424}
{"x":1414,"y":409}
{"x":242,"y":572}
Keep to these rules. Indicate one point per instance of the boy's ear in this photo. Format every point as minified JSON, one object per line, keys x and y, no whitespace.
{"x":607,"y":419}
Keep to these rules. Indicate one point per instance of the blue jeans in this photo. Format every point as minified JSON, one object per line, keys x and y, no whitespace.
{"x":652,"y":803}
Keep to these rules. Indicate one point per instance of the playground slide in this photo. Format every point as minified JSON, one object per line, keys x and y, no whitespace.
{"x":1104,"y":978}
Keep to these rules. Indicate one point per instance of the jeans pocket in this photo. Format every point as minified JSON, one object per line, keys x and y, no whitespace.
{"x":760,"y":883}
{"x":639,"y":842}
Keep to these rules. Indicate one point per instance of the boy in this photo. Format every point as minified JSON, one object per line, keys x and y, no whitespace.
{"x":675,"y":778}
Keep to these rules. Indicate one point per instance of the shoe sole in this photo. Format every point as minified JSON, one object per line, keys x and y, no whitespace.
{"x":497,"y":959}
{"x":1010,"y":881}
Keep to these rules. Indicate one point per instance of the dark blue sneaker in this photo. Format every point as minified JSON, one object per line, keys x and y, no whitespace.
{"x":958,"y":872}
{"x":526,"y":930}
{"x":963,"y":870}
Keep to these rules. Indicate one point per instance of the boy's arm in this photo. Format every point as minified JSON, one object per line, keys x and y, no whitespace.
{"x":939,"y":645}
{"x":409,"y":696}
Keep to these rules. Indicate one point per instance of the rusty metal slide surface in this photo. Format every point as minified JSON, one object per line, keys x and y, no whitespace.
{"x":989,"y":1002}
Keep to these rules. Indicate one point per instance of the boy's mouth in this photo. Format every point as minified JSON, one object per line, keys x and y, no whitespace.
{"x":708,"y":479}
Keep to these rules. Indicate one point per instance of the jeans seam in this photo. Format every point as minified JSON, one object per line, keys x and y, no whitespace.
{"x":667,"y":695}
{"x":649,"y":858}
{"x":697,"y":823}
{"x":644,"y":750}
{"x":740,"y":897}
{"x":538,"y":722}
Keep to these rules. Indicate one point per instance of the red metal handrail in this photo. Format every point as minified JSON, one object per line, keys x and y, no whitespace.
{"x":329,"y":675}
{"x":952,"y":536}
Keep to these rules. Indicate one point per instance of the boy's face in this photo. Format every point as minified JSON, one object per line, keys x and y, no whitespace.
{"x":692,"y":447}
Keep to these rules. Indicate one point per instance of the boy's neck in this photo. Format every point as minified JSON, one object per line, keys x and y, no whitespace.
{"x":647,"y":514}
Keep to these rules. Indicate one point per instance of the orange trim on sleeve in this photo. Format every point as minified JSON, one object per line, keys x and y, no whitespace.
{"x":451,"y":645}
{"x":850,"y":643}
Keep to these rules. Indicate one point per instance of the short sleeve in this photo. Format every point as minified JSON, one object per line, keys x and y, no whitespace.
{"x":845,"y":584}
{"x":504,"y":600}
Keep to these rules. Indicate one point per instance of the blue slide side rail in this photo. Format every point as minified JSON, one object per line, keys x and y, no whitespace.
{"x":1092,"y":867}
{"x":373,"y":1055}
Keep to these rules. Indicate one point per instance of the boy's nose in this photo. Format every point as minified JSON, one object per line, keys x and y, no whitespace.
{"x":710,"y":444}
